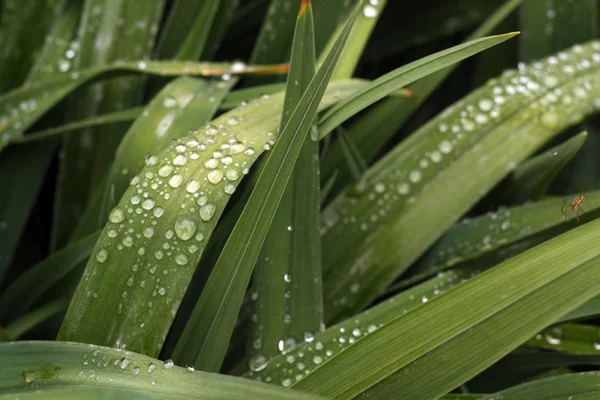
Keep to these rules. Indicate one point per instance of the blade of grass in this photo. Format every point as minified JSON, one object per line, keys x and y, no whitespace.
{"x":378,"y":125}
{"x":361,"y":32}
{"x":182,"y":212}
{"x":34,"y":104}
{"x":18,"y":296}
{"x":424,"y":353}
{"x":328,"y":15}
{"x":108,"y":31}
{"x":425,"y":168}
{"x":23,"y":27}
{"x":275,"y":37}
{"x":25,"y":323}
{"x":55,"y":365}
{"x":404,"y":76}
{"x":222,"y":22}
{"x":287,"y":273}
{"x":356,"y":164}
{"x":569,"y":339}
{"x":218,"y":306}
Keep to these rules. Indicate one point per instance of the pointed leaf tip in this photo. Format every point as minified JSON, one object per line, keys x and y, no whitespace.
{"x":303,"y":6}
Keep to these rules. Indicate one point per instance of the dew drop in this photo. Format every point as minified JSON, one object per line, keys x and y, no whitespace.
{"x":445,"y":146}
{"x":158,"y":212}
{"x":193,"y":186}
{"x":207,"y":211}
{"x":117,"y":215}
{"x":102,"y":256}
{"x":258,"y":362}
{"x":185,"y":228}
{"x":180,"y":160}
{"x":165,"y":171}
{"x":215,"y":176}
{"x":176,"y":181}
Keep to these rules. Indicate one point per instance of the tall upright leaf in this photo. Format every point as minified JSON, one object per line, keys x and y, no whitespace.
{"x":286,"y":293}
{"x":204,"y":342}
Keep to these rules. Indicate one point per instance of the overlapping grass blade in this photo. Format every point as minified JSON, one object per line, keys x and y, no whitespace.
{"x":502,"y":127}
{"x":287,"y":297}
{"x":403,"y":76}
{"x":580,"y":386}
{"x":569,"y":338}
{"x":422,"y":354}
{"x":186,"y":196}
{"x":105,"y":35}
{"x":30,"y":320}
{"x":275,"y":38}
{"x":31,"y":366}
{"x":31,"y":105}
{"x":354,"y":159}
{"x":205,"y":339}
{"x":18,"y":298}
{"x":222,"y":22}
{"x":328,"y":15}
{"x":361,"y":32}
{"x":378,"y":125}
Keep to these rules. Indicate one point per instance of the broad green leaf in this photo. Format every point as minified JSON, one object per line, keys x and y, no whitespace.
{"x":361,"y":32}
{"x":31,"y":366}
{"x":454,"y":157}
{"x":403,"y":76}
{"x":109,"y":31}
{"x":204,"y":342}
{"x":581,"y":386}
{"x":430,"y":351}
{"x":286,"y":293}
{"x":170,"y":231}
{"x":373,"y":130}
{"x":18,"y":296}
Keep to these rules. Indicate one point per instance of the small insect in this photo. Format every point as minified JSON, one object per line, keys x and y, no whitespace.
{"x":574,"y":206}
{"x":190,"y":369}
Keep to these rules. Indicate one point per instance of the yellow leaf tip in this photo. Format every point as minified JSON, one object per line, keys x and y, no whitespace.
{"x":303,"y":5}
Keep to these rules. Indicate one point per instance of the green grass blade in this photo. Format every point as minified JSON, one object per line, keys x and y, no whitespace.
{"x":356,"y":164}
{"x":287,"y":274}
{"x":18,"y":298}
{"x":276,"y":34}
{"x":105,"y":35}
{"x":361,"y":32}
{"x":29,"y":366}
{"x":531,"y":180}
{"x":23,"y":27}
{"x":25,"y":323}
{"x":568,"y":338}
{"x":422,"y":354}
{"x":475,"y":237}
{"x":34,"y":105}
{"x":581,"y":386}
{"x":17,"y":200}
{"x":495,"y":137}
{"x":377,"y":126}
{"x":219,"y":303}
{"x":404,"y":76}
{"x":328,"y":15}
{"x":176,"y":210}
{"x":105,"y":119}
{"x":222,"y":21}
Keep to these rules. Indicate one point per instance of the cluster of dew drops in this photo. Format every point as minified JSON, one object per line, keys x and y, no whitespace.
{"x":177,"y":195}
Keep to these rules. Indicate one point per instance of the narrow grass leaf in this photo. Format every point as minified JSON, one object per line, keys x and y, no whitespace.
{"x":31,"y":366}
{"x":569,"y":339}
{"x":361,"y":32}
{"x":18,"y":298}
{"x":221,"y":23}
{"x":30,"y":320}
{"x":276,"y":34}
{"x":423,"y":354}
{"x":172,"y":228}
{"x":410,"y":180}
{"x":220,"y":301}
{"x":286,"y":293}
{"x":403,"y":76}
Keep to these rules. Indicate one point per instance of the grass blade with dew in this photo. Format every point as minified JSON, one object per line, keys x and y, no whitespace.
{"x":287,"y":297}
{"x":422,"y":169}
{"x":204,"y":342}
{"x":49,"y":365}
